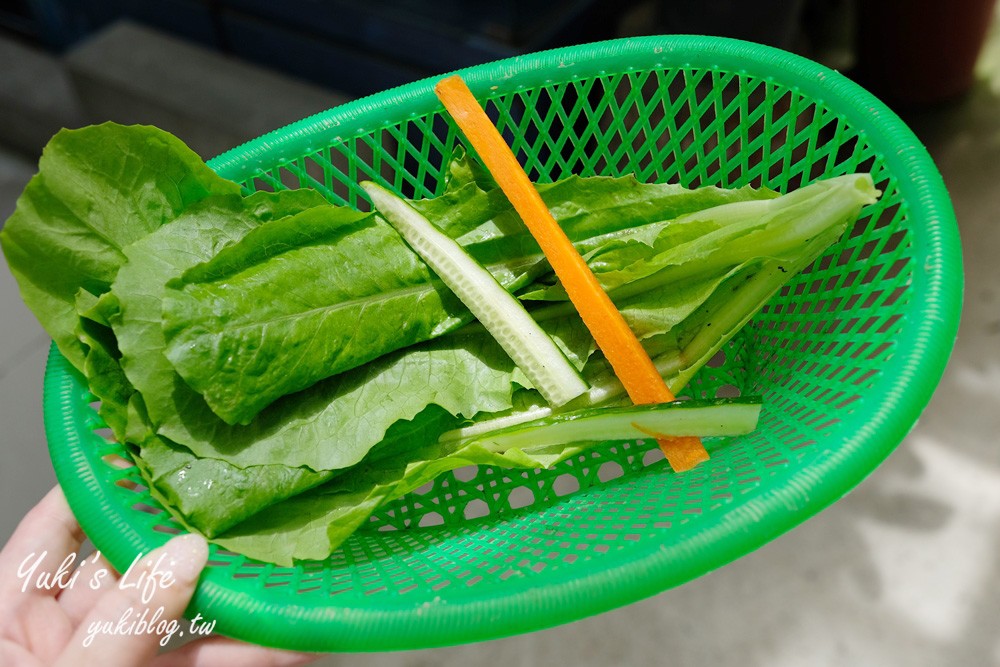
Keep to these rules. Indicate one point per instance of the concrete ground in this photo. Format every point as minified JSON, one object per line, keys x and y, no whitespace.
{"x":903,"y":571}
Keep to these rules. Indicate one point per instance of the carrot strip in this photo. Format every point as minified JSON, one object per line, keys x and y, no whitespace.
{"x":616,"y":340}
{"x":682,"y":452}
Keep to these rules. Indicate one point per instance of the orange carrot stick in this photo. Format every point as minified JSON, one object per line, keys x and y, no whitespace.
{"x":616,"y":340}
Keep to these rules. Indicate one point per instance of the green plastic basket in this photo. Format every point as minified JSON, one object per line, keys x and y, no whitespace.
{"x":846,"y":356}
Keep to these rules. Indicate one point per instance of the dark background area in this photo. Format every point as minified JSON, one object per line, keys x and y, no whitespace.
{"x":909,"y":52}
{"x":363,"y":47}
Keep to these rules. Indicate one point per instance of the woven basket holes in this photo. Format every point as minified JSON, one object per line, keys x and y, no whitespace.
{"x":806,"y":392}
{"x":541,"y":131}
{"x":223,"y":558}
{"x":465,"y":474}
{"x":570,"y":143}
{"x":508,"y":115}
{"x":613,"y":134}
{"x":815,"y":358}
{"x":880,"y":237}
{"x":435,"y":500}
{"x":132,"y":484}
{"x":694,"y":120}
{"x":303,"y":582}
{"x":117,"y":461}
{"x":758,"y":136}
{"x":801,"y":420}
{"x":728,"y":391}
{"x":374,"y":156}
{"x":146,"y":508}
{"x":424,"y":152}
{"x":371,"y":570}
{"x":169,"y":529}
{"x":731,"y":367}
{"x":308,"y":172}
{"x":652,"y":455}
{"x":131,"y":480}
{"x":424,"y":489}
{"x":834,"y":141}
{"x":484,"y":493}
{"x":722,"y":145}
{"x":773,"y":451}
{"x":240,"y":564}
{"x":810,"y":139}
{"x":359,"y":565}
{"x":622,"y":511}
{"x":391,"y":574}
{"x":713,"y":128}
{"x":278,"y":577}
{"x":794,"y":134}
{"x":448,"y":567}
{"x":389,"y":518}
{"x":404,"y":572}
{"x":262,"y":572}
{"x":741,"y":471}
{"x":610,"y":470}
{"x":475,"y":509}
{"x":717,"y":361}
{"x":274,"y":180}
{"x":133,"y":490}
{"x":669,"y":127}
{"x":326,"y":171}
{"x":128,"y":481}
{"x":411,"y":159}
{"x":520,"y":496}
{"x":565,"y":484}
{"x":632,"y":128}
{"x":430,"y":519}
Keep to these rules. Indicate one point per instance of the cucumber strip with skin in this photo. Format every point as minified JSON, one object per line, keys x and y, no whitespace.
{"x":719,"y":417}
{"x":534,"y":352}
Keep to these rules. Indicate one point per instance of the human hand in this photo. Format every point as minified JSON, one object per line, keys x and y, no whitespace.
{"x":46,"y":620}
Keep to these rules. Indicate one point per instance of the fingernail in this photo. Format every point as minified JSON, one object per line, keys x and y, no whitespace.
{"x":186,"y":556}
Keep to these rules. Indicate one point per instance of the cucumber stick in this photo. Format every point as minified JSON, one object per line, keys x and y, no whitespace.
{"x":728,"y":416}
{"x":535,"y":353}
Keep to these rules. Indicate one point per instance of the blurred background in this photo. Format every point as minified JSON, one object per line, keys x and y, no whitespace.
{"x":904,"y":570}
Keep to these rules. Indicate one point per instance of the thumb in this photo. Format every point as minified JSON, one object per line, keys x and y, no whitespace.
{"x":126,"y":625}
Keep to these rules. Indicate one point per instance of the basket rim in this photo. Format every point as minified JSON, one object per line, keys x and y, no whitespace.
{"x":905,"y":386}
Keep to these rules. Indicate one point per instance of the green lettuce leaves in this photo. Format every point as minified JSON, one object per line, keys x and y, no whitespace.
{"x":304,"y":299}
{"x":96,"y":191}
{"x":282,"y":367}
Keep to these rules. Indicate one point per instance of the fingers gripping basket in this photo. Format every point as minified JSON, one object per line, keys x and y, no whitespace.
{"x":846,"y":356}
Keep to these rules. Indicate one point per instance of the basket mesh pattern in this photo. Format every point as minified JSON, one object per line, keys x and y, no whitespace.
{"x":817,"y":353}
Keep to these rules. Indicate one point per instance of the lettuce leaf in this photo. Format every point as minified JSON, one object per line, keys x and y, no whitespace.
{"x":135,"y":301}
{"x":119,"y":289}
{"x":302,"y":300}
{"x":312,"y":525}
{"x":97,"y":189}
